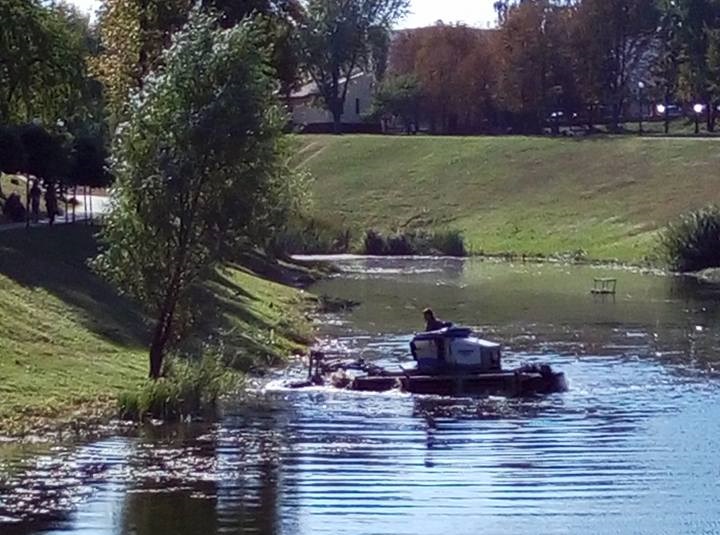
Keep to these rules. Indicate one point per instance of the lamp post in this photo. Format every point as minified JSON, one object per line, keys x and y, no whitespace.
{"x":698,"y":109}
{"x":641,"y":86}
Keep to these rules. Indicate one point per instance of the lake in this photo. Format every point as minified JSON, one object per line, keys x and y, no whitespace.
{"x":630,"y":448}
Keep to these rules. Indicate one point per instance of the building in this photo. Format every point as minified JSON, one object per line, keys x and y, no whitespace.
{"x":308,"y":113}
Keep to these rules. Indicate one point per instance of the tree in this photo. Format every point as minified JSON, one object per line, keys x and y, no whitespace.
{"x":12,"y":152}
{"x":613,"y":48}
{"x":133,"y":34}
{"x":199,"y":168}
{"x":399,"y":96}
{"x":42,"y":61}
{"x":88,"y":167}
{"x":45,"y":155}
{"x":455,"y":68}
{"x":535,"y":74}
{"x":666,"y":68}
{"x":697,"y":72}
{"x":335,"y":40}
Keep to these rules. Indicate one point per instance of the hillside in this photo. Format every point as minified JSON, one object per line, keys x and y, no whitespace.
{"x":68,"y":339}
{"x":605,"y":195}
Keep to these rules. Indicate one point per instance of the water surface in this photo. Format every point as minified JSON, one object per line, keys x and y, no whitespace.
{"x":631,"y":448}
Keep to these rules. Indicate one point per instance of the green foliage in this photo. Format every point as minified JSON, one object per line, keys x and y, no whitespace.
{"x":692,"y":242}
{"x":12,"y":152}
{"x":45,"y":154}
{"x":416,"y":242}
{"x":42,"y":62}
{"x":88,"y":163}
{"x":133,"y":34}
{"x":339,"y":37}
{"x":399,"y":96}
{"x":311,"y":236}
{"x":187,"y":389}
{"x":199,"y":167}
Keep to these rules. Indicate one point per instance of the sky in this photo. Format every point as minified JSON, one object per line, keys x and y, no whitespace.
{"x":423,"y":12}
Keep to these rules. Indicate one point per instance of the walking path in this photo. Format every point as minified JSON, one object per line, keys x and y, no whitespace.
{"x":100,"y":206}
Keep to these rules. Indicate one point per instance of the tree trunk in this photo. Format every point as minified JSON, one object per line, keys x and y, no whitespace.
{"x":159,"y":342}
{"x":710,"y":118}
{"x":337,"y":121}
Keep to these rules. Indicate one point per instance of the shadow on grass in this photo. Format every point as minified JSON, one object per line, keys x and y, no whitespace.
{"x":55,"y":260}
{"x":227,"y":319}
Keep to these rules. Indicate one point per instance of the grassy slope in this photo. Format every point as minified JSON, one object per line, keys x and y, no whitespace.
{"x":66,"y":338}
{"x":515,"y":194}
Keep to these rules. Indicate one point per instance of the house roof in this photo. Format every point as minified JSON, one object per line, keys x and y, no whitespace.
{"x":310,"y":89}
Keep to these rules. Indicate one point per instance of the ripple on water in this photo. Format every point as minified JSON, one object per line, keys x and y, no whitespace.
{"x":629,"y":449}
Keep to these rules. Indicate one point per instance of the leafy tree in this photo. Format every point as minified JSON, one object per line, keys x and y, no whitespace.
{"x":399,"y":96}
{"x":535,"y":76}
{"x":88,"y":163}
{"x":12,"y":152}
{"x":42,"y":61}
{"x":455,"y":68}
{"x":46,"y":157}
{"x":133,"y":34}
{"x":666,"y":67}
{"x":697,"y":72}
{"x":335,"y":40}
{"x":199,"y":168}
{"x":613,"y":42}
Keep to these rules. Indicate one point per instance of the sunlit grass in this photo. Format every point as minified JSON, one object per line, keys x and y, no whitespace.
{"x":604,"y":196}
{"x":68,"y":339}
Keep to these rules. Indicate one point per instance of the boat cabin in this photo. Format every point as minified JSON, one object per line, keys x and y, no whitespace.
{"x":455,"y":348}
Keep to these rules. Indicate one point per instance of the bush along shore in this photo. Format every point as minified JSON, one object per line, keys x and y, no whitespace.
{"x":315,"y":236}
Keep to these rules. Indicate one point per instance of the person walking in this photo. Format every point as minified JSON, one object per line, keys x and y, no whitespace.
{"x":51,"y":204}
{"x":35,"y":195}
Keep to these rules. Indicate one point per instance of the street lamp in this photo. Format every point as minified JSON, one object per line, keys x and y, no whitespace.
{"x":641,"y":86}
{"x":698,"y":109}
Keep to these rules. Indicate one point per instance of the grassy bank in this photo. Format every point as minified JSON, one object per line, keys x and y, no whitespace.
{"x":606,"y":196}
{"x":69,"y":342}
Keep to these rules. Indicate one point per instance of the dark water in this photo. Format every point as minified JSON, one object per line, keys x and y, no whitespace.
{"x":631,"y":448}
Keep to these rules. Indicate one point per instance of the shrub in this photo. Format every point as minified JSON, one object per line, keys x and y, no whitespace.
{"x":375,"y":244}
{"x":186,"y":389}
{"x":692,"y":242}
{"x":311,"y":236}
{"x":14,"y":209}
{"x":400,"y":245}
{"x":450,"y":243}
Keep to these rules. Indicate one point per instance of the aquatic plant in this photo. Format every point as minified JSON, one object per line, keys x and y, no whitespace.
{"x":187,"y":388}
{"x":692,"y":242}
{"x":446,"y":242}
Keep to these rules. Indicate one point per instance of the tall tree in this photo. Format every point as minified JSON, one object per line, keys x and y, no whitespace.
{"x":697,"y":77}
{"x":133,"y":34}
{"x":534,"y":73}
{"x":199,"y":167}
{"x":614,"y":47}
{"x":42,"y":61}
{"x":455,"y":67}
{"x":336,"y":40}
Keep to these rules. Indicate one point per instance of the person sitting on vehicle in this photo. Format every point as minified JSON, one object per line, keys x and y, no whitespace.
{"x":432,"y":323}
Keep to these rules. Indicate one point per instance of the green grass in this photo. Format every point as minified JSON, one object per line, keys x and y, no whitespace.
{"x":527,"y":195}
{"x":69,"y":341}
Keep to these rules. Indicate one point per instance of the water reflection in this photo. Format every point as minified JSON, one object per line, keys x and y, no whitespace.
{"x":628,"y":449}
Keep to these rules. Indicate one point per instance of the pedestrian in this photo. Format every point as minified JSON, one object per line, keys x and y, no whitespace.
{"x":35,"y":195}
{"x":51,"y":203}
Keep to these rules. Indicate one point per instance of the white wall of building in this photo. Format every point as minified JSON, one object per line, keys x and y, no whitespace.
{"x":357,"y":103}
